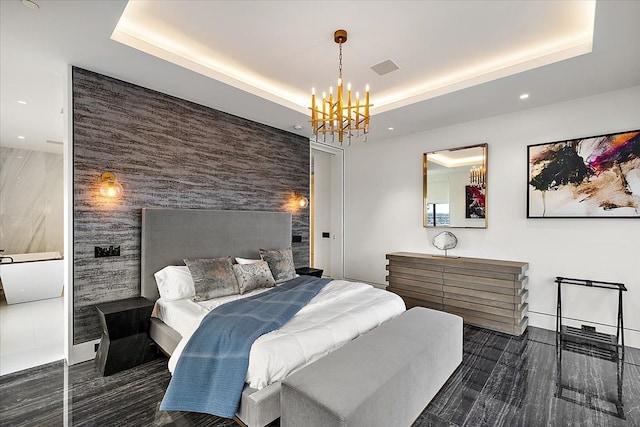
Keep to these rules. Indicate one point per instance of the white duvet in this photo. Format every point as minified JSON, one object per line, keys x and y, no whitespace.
{"x":339,"y":313}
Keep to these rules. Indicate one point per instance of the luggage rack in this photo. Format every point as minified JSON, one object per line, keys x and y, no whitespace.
{"x":603,"y":345}
{"x":587,"y":341}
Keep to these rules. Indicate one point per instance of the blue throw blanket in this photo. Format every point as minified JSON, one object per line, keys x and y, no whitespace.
{"x":210,"y":374}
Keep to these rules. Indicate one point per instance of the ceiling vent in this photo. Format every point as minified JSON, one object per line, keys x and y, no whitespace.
{"x":385,"y":67}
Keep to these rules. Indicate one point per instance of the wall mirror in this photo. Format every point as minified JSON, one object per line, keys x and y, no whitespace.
{"x":455,"y":187}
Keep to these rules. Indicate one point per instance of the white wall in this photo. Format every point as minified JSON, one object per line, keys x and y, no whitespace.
{"x":383,"y":196}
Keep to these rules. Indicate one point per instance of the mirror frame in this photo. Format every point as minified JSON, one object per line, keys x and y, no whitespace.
{"x":485,"y":152}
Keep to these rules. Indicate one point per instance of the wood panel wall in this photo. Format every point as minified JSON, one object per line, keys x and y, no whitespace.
{"x":166,"y":152}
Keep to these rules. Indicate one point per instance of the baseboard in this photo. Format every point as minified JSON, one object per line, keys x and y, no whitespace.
{"x":83,"y":352}
{"x":548,"y":321}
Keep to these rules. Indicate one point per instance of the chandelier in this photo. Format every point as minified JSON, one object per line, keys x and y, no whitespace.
{"x":477,"y":176}
{"x":340,"y":116}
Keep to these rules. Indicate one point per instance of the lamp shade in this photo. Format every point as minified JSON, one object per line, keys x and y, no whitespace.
{"x":110,"y":187}
{"x":301,"y":201}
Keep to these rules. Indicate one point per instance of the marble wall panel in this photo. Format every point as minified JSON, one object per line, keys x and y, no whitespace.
{"x":31,"y":201}
{"x":166,"y":152}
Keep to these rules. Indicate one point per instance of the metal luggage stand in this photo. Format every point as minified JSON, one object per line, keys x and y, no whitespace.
{"x":587,"y":341}
{"x":590,"y":336}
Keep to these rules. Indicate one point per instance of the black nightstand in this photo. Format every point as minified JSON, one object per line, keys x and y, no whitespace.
{"x":308,"y":271}
{"x":125,"y":340}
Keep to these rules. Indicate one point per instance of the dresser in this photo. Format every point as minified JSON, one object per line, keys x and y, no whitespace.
{"x":485,"y":292}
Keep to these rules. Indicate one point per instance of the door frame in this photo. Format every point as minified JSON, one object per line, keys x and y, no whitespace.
{"x":338,"y":152}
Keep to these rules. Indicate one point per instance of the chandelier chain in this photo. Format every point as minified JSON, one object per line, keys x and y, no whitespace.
{"x":340,"y":60}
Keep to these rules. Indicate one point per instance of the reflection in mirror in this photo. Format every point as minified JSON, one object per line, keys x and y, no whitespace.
{"x":455,"y":187}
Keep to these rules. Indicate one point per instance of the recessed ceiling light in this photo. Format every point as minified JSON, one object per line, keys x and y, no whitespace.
{"x":30,"y":4}
{"x":297,"y":127}
{"x":20,"y":137}
{"x":524,"y":96}
{"x":22,"y":102}
{"x":390,"y":128}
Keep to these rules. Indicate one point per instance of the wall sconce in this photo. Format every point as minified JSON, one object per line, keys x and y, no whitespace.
{"x":110,"y":187}
{"x":301,"y":202}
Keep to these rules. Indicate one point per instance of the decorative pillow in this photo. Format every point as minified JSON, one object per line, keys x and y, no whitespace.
{"x":175,"y":282}
{"x":212,"y":278}
{"x":247,"y":261}
{"x":253,"y":276}
{"x":280,"y":262}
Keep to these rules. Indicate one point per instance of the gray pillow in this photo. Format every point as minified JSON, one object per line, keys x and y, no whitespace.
{"x":253,"y":276}
{"x":212,"y":278}
{"x":280,"y":262}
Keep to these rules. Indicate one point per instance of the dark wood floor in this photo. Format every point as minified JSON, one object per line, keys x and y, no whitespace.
{"x":503,"y":381}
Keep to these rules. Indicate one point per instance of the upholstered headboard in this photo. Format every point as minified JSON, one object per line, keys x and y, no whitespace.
{"x":170,"y":235}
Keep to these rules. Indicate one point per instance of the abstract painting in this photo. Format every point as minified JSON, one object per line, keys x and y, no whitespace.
{"x":594,"y":177}
{"x":475,"y":201}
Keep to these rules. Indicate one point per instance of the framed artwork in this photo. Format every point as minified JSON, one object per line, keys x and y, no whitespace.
{"x":594,"y":177}
{"x":475,"y":201}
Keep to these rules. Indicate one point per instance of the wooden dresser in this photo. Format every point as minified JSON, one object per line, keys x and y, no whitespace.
{"x":488,"y":293}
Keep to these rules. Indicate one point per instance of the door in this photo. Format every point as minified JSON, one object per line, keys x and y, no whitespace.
{"x":327,"y":209}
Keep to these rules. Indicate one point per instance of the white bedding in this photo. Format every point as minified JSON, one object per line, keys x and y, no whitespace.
{"x":339,"y":313}
{"x":183,"y":315}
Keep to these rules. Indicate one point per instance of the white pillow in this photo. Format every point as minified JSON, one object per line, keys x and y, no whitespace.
{"x":247,"y":261}
{"x":175,"y":282}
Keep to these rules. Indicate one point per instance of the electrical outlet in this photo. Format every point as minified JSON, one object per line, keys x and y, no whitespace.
{"x":296,"y":238}
{"x":101,"y":252}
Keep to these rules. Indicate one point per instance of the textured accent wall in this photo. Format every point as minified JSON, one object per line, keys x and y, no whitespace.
{"x":166,"y":152}
{"x":31,"y":194}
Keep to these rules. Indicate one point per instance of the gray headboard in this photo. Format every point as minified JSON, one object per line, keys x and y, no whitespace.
{"x":170,"y":235}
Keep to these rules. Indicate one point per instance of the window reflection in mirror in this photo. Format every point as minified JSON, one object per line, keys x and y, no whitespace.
{"x":437,"y":214}
{"x":455,"y":187}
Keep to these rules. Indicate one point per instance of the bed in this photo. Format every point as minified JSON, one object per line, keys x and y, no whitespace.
{"x":169,"y":235}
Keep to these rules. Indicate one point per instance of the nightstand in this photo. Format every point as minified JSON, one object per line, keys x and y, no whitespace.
{"x":308,"y":271}
{"x":125,"y":340}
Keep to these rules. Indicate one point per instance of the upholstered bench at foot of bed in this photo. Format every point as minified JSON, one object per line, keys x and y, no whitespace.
{"x":383,"y":378}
